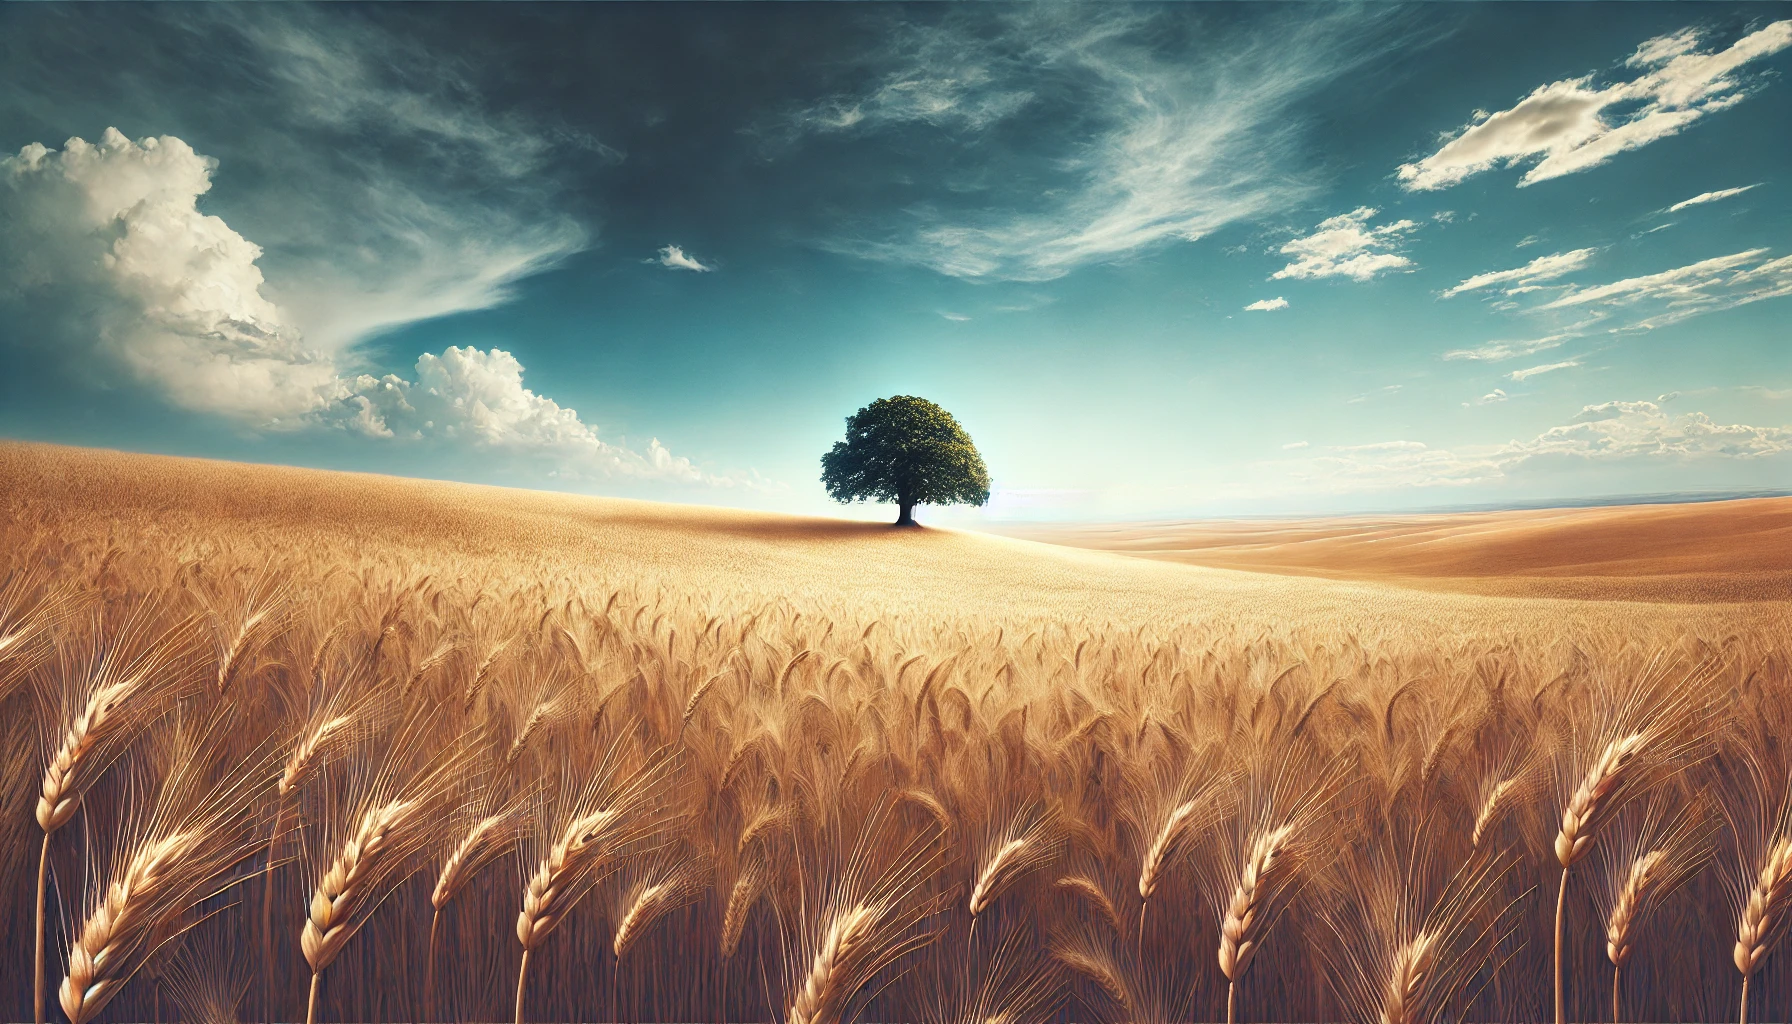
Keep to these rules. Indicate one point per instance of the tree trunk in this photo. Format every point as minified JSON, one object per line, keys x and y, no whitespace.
{"x":907,"y":518}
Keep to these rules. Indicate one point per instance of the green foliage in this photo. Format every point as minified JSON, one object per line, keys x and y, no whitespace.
{"x":907,"y":450}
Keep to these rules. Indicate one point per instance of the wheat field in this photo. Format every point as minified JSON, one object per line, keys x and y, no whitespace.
{"x":291,"y":745}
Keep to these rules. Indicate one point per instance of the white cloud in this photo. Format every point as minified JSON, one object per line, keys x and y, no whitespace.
{"x":1710,"y":197}
{"x":1496,"y":395}
{"x":1527,"y":374}
{"x":1294,"y":445}
{"x":1573,"y":124}
{"x":105,"y":243}
{"x":673,"y":258}
{"x":1610,"y":432}
{"x":941,"y":82}
{"x":1493,"y":351}
{"x":1268,"y":305}
{"x":1164,"y":147}
{"x":171,"y":295}
{"x":383,"y":186}
{"x":1543,"y":268}
{"x":1669,"y":296}
{"x":1380,"y":446}
{"x":477,"y":398}
{"x":1382,"y":392}
{"x":1346,"y":246}
{"x":954,"y":317}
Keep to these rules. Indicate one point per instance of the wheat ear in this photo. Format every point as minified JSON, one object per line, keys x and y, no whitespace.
{"x":468,"y":856}
{"x":1491,"y":807}
{"x":819,"y":999}
{"x":117,"y":927}
{"x":1086,"y":887}
{"x":984,"y":890}
{"x":1763,"y":913}
{"x":1241,"y":925}
{"x":1412,"y":963}
{"x":1593,"y":802}
{"x":741,"y":897}
{"x":346,"y":884}
{"x":1644,"y":872}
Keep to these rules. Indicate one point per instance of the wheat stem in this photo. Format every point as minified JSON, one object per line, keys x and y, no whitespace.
{"x":37,"y":979}
{"x":1561,"y":902}
{"x":522,"y":980}
{"x":429,"y":969}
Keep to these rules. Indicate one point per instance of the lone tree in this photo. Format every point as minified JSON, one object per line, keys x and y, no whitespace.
{"x":906,"y":450}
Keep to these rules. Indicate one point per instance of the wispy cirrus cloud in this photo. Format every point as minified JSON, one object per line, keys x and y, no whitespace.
{"x":1711,"y":197}
{"x":1607,"y":433}
{"x":1576,"y":124}
{"x":1347,"y":246}
{"x":1535,"y":371}
{"x":1543,"y":268}
{"x":1676,"y":294}
{"x":1153,"y":140}
{"x":1512,"y":348}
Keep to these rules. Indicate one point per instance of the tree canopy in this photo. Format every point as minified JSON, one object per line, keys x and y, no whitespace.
{"x":906,"y":450}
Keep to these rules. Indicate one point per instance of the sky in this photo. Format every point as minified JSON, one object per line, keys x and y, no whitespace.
{"x":1159,"y":261}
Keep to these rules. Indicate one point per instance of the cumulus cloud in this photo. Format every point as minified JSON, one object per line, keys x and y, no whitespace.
{"x":105,"y":243}
{"x":1268,"y":305}
{"x":1576,"y":124}
{"x":1158,"y":145}
{"x":111,"y":234}
{"x":477,"y":397}
{"x":1533,"y":371}
{"x":1346,"y":246}
{"x":1610,"y":432}
{"x":1710,"y":197}
{"x":1543,"y":268}
{"x":673,"y":258}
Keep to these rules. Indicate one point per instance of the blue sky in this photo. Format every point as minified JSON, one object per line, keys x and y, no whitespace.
{"x":1186,"y":260}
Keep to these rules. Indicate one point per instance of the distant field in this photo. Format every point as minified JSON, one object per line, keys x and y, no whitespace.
{"x":427,"y":751}
{"x":1737,"y":550}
